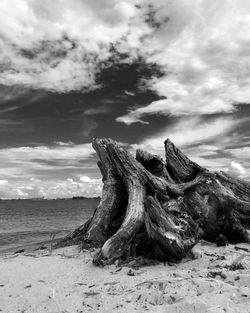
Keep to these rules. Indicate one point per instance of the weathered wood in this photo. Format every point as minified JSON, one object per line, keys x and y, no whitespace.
{"x":180,"y":168}
{"x":154,"y":164}
{"x":175,"y":231}
{"x":160,"y":209}
{"x":113,"y":197}
{"x":117,"y":245}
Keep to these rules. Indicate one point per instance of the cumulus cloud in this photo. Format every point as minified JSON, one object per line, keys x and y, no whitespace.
{"x":240,"y":167}
{"x":204,"y":52}
{"x":51,"y":189}
{"x":202,"y":46}
{"x":59,"y":46}
{"x":21,"y":193}
{"x":3,"y":182}
{"x":76,"y":187}
{"x":236,"y":169}
{"x":86,"y":179}
{"x":29,"y":172}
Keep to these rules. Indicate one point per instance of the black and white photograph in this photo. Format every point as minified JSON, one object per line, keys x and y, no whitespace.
{"x":124,"y":156}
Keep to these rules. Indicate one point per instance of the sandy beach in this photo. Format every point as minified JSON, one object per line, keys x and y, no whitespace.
{"x":66,"y":281}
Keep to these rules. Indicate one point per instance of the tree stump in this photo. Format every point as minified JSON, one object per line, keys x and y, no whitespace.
{"x":160,"y":209}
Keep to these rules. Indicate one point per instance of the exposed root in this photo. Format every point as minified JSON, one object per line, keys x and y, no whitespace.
{"x":156,"y":209}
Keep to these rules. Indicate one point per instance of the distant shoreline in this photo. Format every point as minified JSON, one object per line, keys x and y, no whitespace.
{"x":51,"y":199}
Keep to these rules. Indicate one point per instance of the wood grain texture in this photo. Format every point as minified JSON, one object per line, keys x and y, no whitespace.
{"x":160,"y":208}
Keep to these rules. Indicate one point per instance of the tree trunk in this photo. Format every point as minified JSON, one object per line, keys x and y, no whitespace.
{"x":160,"y":209}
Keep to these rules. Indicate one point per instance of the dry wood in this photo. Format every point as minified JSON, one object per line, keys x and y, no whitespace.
{"x":160,"y":209}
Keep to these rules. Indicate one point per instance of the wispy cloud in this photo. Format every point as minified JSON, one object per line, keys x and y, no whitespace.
{"x":241,"y":153}
{"x":102,"y":109}
{"x":209,"y":143}
{"x":61,"y":143}
{"x":67,"y":152}
{"x":24,"y":163}
{"x":192,"y":131}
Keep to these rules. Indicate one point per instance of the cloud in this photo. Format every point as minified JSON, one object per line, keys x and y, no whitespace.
{"x":73,"y":187}
{"x":129,"y":93}
{"x":67,"y":188}
{"x":86,"y":179}
{"x":241,"y":153}
{"x":56,"y":171}
{"x":204,"y":52}
{"x":213,"y":143}
{"x":203,"y":150}
{"x":66,"y":152}
{"x":206,"y":142}
{"x":3,"y":182}
{"x":191,"y":131}
{"x":35,"y":179}
{"x":102,"y":109}
{"x":22,"y":194}
{"x":61,"y":143}
{"x":132,"y":117}
{"x":240,"y":167}
{"x":202,"y":47}
{"x":237,"y":170}
{"x":8,"y":94}
{"x":88,"y":126}
{"x":170,"y":107}
{"x":59,"y":46}
{"x":24,"y":163}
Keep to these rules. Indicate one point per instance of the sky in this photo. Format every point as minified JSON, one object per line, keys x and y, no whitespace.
{"x":135,"y":71}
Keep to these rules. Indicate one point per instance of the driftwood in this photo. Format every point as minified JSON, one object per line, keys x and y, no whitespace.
{"x":160,"y":209}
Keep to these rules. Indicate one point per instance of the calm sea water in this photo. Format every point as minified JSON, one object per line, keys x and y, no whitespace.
{"x":27,"y":222}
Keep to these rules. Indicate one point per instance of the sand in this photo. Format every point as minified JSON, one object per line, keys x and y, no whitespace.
{"x":66,"y":281}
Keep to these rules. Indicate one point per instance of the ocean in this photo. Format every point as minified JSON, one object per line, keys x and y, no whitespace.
{"x":24,"y":223}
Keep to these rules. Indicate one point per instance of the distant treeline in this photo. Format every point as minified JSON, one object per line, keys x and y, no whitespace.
{"x":85,"y":198}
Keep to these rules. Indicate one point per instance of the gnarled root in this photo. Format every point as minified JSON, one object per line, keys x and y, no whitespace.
{"x":159,"y":209}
